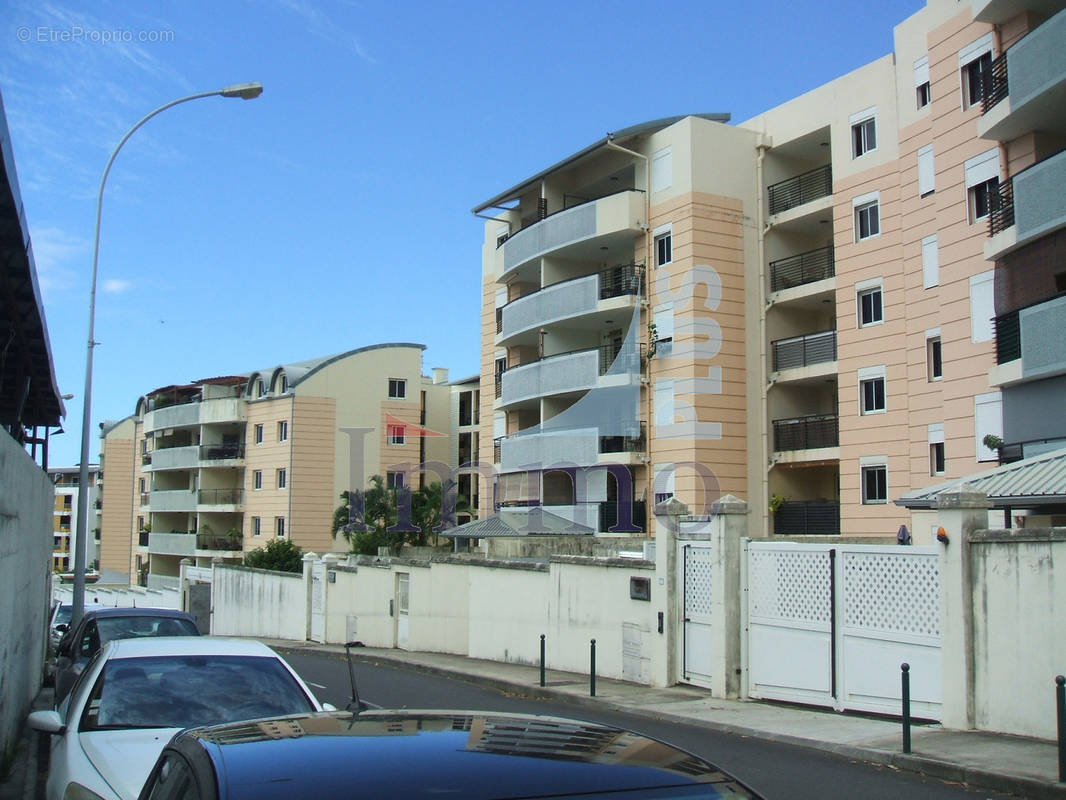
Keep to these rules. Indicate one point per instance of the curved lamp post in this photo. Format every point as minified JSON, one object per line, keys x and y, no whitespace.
{"x":245,"y":91}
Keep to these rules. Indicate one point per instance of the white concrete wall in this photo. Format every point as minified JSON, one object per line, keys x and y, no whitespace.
{"x":121,"y":597}
{"x":257,"y":602}
{"x":26,"y":505}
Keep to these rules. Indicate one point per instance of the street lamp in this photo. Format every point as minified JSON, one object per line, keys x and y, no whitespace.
{"x":245,"y":91}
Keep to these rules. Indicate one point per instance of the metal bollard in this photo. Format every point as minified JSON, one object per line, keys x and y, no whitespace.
{"x":1060,"y":703}
{"x":906,"y":669}
{"x":592,"y":669}
{"x":542,"y":659}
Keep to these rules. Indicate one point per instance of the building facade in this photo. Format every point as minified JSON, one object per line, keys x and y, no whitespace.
{"x":65,"y":531}
{"x":803,"y":309}
{"x":221,"y":466}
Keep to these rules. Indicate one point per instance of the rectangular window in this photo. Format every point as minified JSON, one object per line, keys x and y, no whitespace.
{"x":863,"y":134}
{"x":930,"y":262}
{"x":284,"y":384}
{"x":934,"y":360}
{"x":394,"y":480}
{"x":259,"y":434}
{"x":141,"y":484}
{"x":662,"y":170}
{"x":926,"y":171}
{"x":973,"y":77}
{"x":395,"y":434}
{"x":664,"y":403}
{"x":663,"y":317}
{"x":988,"y":419}
{"x":871,"y":311}
{"x":279,"y":527}
{"x":282,"y":478}
{"x":924,"y":95}
{"x":982,"y":307}
{"x":257,"y":526}
{"x":867,"y":220}
{"x":283,"y":430}
{"x":397,"y":388}
{"x":980,"y":198}
{"x":921,"y":82}
{"x":936,"y":458}
{"x":872,"y":396}
{"x":260,"y":388}
{"x":663,"y":249}
{"x":875,"y":484}
{"x":257,"y":479}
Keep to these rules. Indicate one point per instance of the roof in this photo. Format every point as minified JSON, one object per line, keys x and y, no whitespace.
{"x":187,"y":646}
{"x":131,"y":611}
{"x":653,"y":126}
{"x":533,"y":521}
{"x":30,"y":394}
{"x":1029,"y":483}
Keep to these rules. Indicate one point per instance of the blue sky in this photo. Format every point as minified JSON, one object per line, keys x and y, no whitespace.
{"x":334,"y":211}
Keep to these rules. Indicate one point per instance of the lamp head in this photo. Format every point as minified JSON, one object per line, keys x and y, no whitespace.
{"x":245,"y":91}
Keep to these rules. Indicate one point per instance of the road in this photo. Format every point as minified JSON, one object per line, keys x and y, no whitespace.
{"x":779,"y":771}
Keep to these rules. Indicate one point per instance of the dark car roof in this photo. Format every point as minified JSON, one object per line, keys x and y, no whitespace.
{"x":138,"y":612}
{"x":429,"y":753}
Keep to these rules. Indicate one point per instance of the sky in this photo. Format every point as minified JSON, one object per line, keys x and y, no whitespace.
{"x":334,"y":211}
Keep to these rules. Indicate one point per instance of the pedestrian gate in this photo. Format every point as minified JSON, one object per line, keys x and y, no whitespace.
{"x":695,"y":558}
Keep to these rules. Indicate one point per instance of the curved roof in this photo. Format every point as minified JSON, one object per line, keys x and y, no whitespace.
{"x":518,"y":189}
{"x":301,"y":370}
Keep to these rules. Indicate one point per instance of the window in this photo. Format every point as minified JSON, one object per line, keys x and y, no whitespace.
{"x":394,"y":480}
{"x":141,"y":484}
{"x":257,"y":479}
{"x":988,"y":418}
{"x":662,"y":170}
{"x":257,"y":526}
{"x":921,"y":82}
{"x":663,"y":317}
{"x":875,"y":484}
{"x":867,"y":221}
{"x":926,"y":171}
{"x":397,"y":388}
{"x":664,"y":403}
{"x":663,"y":483}
{"x":284,"y":384}
{"x":279,"y":527}
{"x":982,"y":307}
{"x":282,"y":478}
{"x":930,"y":262}
{"x":395,"y":434}
{"x":934,"y":361}
{"x":869,"y":304}
{"x":982,"y":183}
{"x":936,"y":458}
{"x":863,"y":132}
{"x":663,"y":249}
{"x":980,"y":198}
{"x":258,"y":434}
{"x":260,"y":388}
{"x":973,"y":76}
{"x":872,"y":395}
{"x":283,"y":430}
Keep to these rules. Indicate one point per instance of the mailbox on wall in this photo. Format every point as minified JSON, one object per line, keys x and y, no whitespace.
{"x":640,"y":588}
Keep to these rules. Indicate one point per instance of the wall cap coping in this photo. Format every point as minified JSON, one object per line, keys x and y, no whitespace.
{"x":963,"y":497}
{"x":1018,"y":536}
{"x":603,"y":561}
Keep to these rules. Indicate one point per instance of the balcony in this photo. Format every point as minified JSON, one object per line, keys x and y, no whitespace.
{"x":569,"y":299}
{"x":807,"y":518}
{"x":219,"y":497}
{"x":576,"y":232}
{"x":187,"y":544}
{"x":1033,"y":206}
{"x":801,"y":189}
{"x":194,"y":412}
{"x":804,"y":351}
{"x":170,"y":500}
{"x":576,"y":371}
{"x":582,"y":447}
{"x":1034,"y":335}
{"x":175,"y":458}
{"x":806,"y":433}
{"x":1026,"y":88}
{"x":143,"y":538}
{"x":801,"y":269}
{"x":213,"y":453}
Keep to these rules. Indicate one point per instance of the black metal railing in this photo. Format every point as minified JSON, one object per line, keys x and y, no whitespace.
{"x":569,"y":201}
{"x":995,"y":84}
{"x":805,"y":433}
{"x":499,"y":385}
{"x":807,"y":518}
{"x":499,"y":320}
{"x":814,"y":265}
{"x":801,"y":189}
{"x":609,"y":514}
{"x":1008,"y":337}
{"x":497,"y":449}
{"x":631,"y":361}
{"x":621,"y":280}
{"x":228,"y":497}
{"x":1001,"y":212}
{"x":217,"y":452}
{"x":624,"y":444}
{"x":212,"y":541}
{"x":802,"y":351}
{"x":144,"y":498}
{"x":142,"y":538}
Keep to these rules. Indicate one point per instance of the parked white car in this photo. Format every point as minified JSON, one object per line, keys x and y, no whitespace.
{"x":135,"y":694}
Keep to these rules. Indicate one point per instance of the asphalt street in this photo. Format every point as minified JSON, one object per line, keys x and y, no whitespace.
{"x":777,"y":770}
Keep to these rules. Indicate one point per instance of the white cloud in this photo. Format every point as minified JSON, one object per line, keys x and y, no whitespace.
{"x":53,"y":252}
{"x":116,"y":285}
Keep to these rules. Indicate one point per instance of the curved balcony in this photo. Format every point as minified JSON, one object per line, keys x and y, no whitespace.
{"x":603,"y":294}
{"x":171,"y":500}
{"x":221,"y":455}
{"x":565,"y":373}
{"x":581,"y":446}
{"x":205,"y":412}
{"x":220,"y":499}
{"x":174,"y":458}
{"x":576,"y":232}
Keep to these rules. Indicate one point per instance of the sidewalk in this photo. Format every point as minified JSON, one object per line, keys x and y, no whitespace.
{"x":25,"y":780}
{"x":1013,"y":764}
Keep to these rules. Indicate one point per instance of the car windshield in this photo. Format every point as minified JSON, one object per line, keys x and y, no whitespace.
{"x":63,"y":614}
{"x":183,"y":691}
{"x":109,"y":628}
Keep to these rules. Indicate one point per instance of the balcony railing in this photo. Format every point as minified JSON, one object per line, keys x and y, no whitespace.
{"x":142,"y":538}
{"x":994,"y":84}
{"x":806,"y":433}
{"x":219,"y":452}
{"x":801,"y":189}
{"x":1001,"y":213}
{"x":1008,"y":337}
{"x":220,"y":497}
{"x":212,"y":541}
{"x":146,"y":459}
{"x":624,"y":444}
{"x":802,"y":351}
{"x":144,"y":498}
{"x":807,"y":518}
{"x":621,"y":280}
{"x":814,"y":265}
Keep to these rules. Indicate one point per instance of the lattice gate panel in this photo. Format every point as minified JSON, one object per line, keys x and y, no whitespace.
{"x":696,"y":565}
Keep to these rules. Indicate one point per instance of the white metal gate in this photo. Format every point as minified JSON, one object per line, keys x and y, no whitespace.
{"x":318,"y":601}
{"x":831,"y":624}
{"x":695,"y":561}
{"x":403,"y":608}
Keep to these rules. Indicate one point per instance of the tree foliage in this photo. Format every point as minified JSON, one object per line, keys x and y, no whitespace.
{"x":280,"y":555}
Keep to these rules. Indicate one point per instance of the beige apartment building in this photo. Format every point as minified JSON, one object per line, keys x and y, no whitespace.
{"x":799,"y":309}
{"x":221,"y":466}
{"x":65,"y":531}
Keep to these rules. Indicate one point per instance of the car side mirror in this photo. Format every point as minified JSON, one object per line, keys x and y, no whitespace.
{"x":46,"y":722}
{"x":328,"y":707}
{"x":62,"y":627}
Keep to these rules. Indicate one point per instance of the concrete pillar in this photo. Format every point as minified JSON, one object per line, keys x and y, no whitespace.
{"x":330,"y":560}
{"x":959,"y":514}
{"x":729,"y":526}
{"x":308,"y":559}
{"x":183,"y":584}
{"x":667,"y":594}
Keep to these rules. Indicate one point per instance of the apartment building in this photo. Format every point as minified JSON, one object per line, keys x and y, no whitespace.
{"x":216,"y":467}
{"x":65,"y":531}
{"x":465,"y":444}
{"x":798,"y":309}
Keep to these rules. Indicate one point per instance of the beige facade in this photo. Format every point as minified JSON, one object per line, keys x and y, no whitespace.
{"x":65,"y":531}
{"x":816,"y":278}
{"x":219,"y":467}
